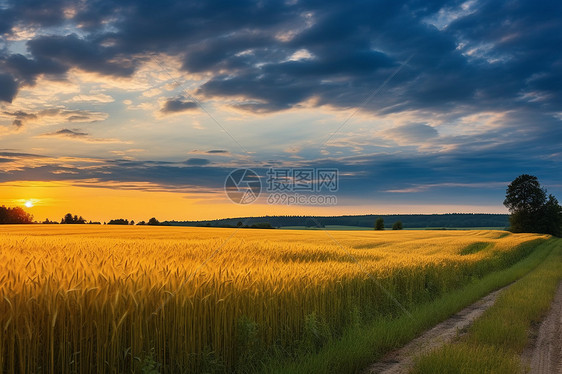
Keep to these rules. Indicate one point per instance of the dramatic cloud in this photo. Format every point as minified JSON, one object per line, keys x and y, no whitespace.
{"x":178,"y":105}
{"x":444,"y":94}
{"x":445,"y":179}
{"x":275,"y":55}
{"x":88,"y":55}
{"x":27,"y":70}
{"x":8,"y":88}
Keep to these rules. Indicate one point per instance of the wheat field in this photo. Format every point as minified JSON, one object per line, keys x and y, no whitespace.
{"x":100,"y":299}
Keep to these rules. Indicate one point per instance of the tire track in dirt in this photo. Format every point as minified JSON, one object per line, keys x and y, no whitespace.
{"x":544,"y":353}
{"x":402,"y":359}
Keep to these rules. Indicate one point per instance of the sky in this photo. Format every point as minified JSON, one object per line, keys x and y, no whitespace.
{"x":133,"y":109}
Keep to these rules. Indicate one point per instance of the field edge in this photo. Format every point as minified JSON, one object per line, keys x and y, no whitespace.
{"x":499,"y":349}
{"x":361,"y":346}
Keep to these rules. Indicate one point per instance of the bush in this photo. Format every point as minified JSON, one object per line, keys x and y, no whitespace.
{"x":119,"y":221}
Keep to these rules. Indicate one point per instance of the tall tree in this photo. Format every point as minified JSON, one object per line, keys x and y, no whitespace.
{"x":14,"y":215}
{"x":379,"y":224}
{"x":525,"y":194}
{"x":551,"y":217}
{"x":530,"y":210}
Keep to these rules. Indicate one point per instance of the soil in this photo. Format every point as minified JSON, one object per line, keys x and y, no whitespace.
{"x":544,"y":353}
{"x":402,"y":360}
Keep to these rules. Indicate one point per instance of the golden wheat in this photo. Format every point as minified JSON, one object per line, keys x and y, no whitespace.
{"x":93,"y":299}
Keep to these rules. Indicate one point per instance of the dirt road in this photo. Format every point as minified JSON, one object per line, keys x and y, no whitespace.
{"x":401,"y":360}
{"x":544,"y":353}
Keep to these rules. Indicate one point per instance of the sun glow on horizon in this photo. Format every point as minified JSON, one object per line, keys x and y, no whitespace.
{"x":55,"y":199}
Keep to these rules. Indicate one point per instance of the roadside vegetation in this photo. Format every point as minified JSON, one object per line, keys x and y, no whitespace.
{"x":367,"y":342}
{"x":494,"y":343}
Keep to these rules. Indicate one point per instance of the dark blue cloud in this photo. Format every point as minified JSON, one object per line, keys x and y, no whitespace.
{"x":197,"y":161}
{"x":501,"y":56}
{"x":178,"y":105}
{"x":475,"y":173}
{"x":5,"y":21}
{"x":37,"y":13}
{"x":73,"y":51}
{"x":456,"y":178}
{"x":7,"y":153}
{"x":27,"y":70}
{"x":488,"y":58}
{"x":68,"y":133}
{"x":8,"y":88}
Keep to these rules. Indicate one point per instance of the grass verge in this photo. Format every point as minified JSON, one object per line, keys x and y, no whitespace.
{"x":495,"y":341}
{"x":362,"y":345}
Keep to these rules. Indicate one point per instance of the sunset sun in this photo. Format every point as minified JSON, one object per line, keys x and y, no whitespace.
{"x":28,"y":203}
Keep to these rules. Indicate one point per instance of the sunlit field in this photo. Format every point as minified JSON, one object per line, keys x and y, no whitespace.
{"x":92,"y":299}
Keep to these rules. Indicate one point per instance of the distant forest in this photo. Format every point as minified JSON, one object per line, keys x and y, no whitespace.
{"x":408,"y":221}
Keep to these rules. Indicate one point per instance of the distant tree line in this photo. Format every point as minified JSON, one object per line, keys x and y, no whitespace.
{"x":259,"y":225}
{"x":123,"y":221}
{"x":152,"y":222}
{"x":69,"y":219}
{"x":18,"y":215}
{"x":120,"y":221}
{"x":75,"y":219}
{"x":407,"y":220}
{"x":14,"y":215}
{"x":239,"y":224}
